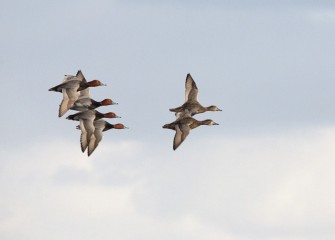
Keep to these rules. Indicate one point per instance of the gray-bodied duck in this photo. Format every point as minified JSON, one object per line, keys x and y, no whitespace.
{"x":85,"y":102}
{"x":70,"y":87}
{"x":99,"y":127}
{"x":87,"y":128}
{"x":191,"y":99}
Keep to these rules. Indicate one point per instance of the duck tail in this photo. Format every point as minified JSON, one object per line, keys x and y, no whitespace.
{"x":53,"y":89}
{"x":177,"y":109}
{"x":71,"y":117}
{"x":169,"y":126}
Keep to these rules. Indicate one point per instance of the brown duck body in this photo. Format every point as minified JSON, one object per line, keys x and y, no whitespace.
{"x":192,"y":104}
{"x":194,"y":107}
{"x":183,"y":126}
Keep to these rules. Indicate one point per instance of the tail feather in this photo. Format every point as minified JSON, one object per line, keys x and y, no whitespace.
{"x":56,"y":88}
{"x":71,"y":117}
{"x":53,"y":89}
{"x":178,"y":109}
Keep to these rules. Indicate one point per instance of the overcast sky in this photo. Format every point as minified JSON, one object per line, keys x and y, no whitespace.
{"x":266,"y":172}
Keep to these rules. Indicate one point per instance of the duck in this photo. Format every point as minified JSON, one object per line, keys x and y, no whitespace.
{"x":191,"y":99}
{"x":99,"y":127}
{"x":183,"y":125}
{"x":83,"y":104}
{"x":91,"y":114}
{"x":70,"y":87}
{"x":86,"y":126}
{"x":77,"y":82}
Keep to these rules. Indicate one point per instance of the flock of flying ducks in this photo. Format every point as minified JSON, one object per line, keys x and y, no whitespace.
{"x":185,"y":122}
{"x":76,"y":96}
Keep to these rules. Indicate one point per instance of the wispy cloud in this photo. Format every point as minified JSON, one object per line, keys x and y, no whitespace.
{"x":271,"y":187}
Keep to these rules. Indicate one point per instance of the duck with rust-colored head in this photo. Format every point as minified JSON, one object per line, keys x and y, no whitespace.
{"x":83,"y":104}
{"x":87,"y":128}
{"x":70,"y":87}
{"x":101,"y":126}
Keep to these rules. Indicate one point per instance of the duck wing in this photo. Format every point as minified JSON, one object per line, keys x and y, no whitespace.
{"x":99,"y":126}
{"x":82,"y":104}
{"x":63,"y":105}
{"x":69,"y":98}
{"x":94,"y":141}
{"x":86,"y":92}
{"x":87,"y":130}
{"x":191,"y":89}
{"x":83,"y":137}
{"x":182,"y":132}
{"x":183,"y":114}
{"x":80,"y":76}
{"x":70,"y":78}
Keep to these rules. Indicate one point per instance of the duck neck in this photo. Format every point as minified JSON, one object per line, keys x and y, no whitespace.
{"x":95,"y":103}
{"x":98,"y":115}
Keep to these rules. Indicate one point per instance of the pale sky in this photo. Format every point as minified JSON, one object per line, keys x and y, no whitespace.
{"x":265,"y":173}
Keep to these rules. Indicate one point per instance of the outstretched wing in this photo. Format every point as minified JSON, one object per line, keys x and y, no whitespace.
{"x":94,"y":141}
{"x":191,"y":90}
{"x":182,"y":132}
{"x":85,"y":137}
{"x":86,"y":92}
{"x":80,"y":76}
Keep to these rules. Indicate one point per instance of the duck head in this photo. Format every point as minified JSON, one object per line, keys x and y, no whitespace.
{"x":111,"y":115}
{"x":213,"y":108}
{"x":120,"y":126}
{"x":210,"y":122}
{"x":95,"y":83}
{"x":107,"y":102}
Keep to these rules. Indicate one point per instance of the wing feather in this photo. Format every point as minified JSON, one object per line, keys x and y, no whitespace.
{"x":80,"y":76}
{"x":191,"y":89}
{"x":94,"y":141}
{"x":63,"y":106}
{"x":182,"y":132}
{"x":83,"y":137}
{"x":89,"y":130}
